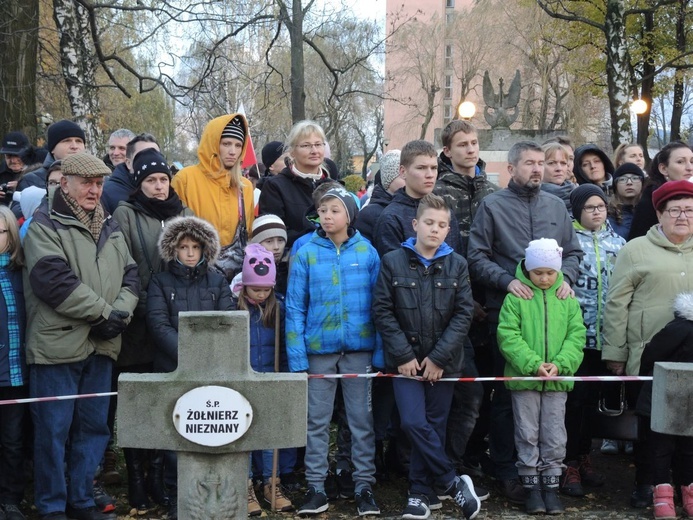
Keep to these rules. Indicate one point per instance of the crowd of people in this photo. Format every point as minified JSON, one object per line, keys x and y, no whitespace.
{"x":581,"y":266}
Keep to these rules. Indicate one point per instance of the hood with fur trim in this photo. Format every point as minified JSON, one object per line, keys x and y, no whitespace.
{"x":683,"y":305}
{"x":195,"y":228}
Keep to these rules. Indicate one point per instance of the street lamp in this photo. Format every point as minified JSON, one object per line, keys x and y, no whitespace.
{"x":639,"y":106}
{"x":466,"y":110}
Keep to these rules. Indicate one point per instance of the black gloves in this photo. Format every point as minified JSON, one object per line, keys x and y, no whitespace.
{"x":112,"y":327}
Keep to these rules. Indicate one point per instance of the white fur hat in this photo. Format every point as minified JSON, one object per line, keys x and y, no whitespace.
{"x":544,"y":252}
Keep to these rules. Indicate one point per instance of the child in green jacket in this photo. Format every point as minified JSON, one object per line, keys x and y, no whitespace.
{"x":541,"y":336}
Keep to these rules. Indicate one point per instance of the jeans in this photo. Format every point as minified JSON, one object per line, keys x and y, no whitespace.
{"x":12,"y":421}
{"x":423,"y":409}
{"x":262,"y":461}
{"x":80,"y":422}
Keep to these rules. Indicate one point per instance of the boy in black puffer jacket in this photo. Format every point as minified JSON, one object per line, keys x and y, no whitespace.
{"x":422,"y":307}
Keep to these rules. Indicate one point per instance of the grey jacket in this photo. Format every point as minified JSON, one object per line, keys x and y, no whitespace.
{"x":505,"y":223}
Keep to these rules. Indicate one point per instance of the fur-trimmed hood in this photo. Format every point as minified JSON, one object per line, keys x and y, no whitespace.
{"x":683,"y":305}
{"x":197,"y":229}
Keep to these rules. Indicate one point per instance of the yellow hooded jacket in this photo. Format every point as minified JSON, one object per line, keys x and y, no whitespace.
{"x":204,"y":187}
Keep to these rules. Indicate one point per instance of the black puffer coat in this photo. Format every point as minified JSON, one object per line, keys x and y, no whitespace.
{"x":183,"y":288}
{"x":368,"y":216}
{"x":423,"y":311}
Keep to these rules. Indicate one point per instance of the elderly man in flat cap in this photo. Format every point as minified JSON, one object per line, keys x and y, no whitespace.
{"x":81,"y":289}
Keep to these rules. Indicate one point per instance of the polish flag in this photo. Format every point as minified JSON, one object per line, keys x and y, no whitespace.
{"x":249,"y":159}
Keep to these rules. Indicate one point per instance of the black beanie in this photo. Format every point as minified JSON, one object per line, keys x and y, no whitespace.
{"x":271,"y":152}
{"x":235,"y":129}
{"x":62,"y":130}
{"x":628,"y":168}
{"x":581,"y":194}
{"x":147,"y":162}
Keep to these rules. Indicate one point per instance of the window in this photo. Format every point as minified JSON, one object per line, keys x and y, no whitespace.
{"x":447,"y":114}
{"x":449,"y":3}
{"x":448,"y":56}
{"x":448,"y":87}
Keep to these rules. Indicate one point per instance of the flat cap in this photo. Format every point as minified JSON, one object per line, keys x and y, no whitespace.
{"x":84,"y":165}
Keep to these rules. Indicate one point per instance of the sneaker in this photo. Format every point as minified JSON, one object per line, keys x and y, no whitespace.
{"x":513,"y":491}
{"x":345,"y":484}
{"x":104,"y":502}
{"x":89,"y":513}
{"x":609,"y":447}
{"x":281,"y":503}
{"x":12,"y":512}
{"x":481,"y":492}
{"x":571,"y":482}
{"x":417,"y":507}
{"x":588,"y":475}
{"x":435,"y":502}
{"x":365,"y":503}
{"x":315,"y":502}
{"x":254,"y":508}
{"x":463,"y":494}
{"x":472,"y":467}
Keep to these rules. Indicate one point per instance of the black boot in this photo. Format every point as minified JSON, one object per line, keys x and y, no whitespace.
{"x":549,"y":484}
{"x":535,"y":502}
{"x":380,"y":468}
{"x":137,"y":490}
{"x":155,"y":478}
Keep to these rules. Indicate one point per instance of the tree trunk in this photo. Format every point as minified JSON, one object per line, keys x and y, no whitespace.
{"x":677,"y":109}
{"x":648,"y":69}
{"x":79,"y":69}
{"x":298,"y":81}
{"x":617,"y":72}
{"x":18,"y":48}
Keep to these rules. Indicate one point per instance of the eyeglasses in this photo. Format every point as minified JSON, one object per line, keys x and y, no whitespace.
{"x":594,"y":209}
{"x":677,"y":212}
{"x":623,"y":179}
{"x":310,"y":146}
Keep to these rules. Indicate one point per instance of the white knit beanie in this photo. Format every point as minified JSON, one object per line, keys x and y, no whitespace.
{"x":543,"y":253}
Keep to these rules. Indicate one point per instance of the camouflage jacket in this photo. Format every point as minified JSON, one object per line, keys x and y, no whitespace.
{"x":600,"y":248}
{"x":463,"y":194}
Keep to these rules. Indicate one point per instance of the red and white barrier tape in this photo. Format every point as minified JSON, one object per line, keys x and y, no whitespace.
{"x":368,"y":376}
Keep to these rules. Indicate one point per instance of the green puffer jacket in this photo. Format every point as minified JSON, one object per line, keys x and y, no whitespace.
{"x":541,"y":330}
{"x":70,"y":281}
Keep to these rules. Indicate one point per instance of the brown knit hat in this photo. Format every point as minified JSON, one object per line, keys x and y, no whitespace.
{"x":84,"y":165}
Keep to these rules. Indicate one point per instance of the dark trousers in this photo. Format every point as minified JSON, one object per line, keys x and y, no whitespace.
{"x":502,"y":426}
{"x":665,"y":449}
{"x":582,"y":403}
{"x":423,"y":409}
{"x":12,"y":428}
{"x":464,"y":411}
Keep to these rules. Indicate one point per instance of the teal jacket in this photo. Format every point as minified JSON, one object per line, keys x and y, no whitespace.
{"x":541,"y":330}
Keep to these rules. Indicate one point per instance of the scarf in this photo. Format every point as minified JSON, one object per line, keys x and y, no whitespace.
{"x":12,"y":324}
{"x":159,"y":209}
{"x":93,"y":220}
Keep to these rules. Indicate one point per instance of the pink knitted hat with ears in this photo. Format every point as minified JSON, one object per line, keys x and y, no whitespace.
{"x":258,"y":267}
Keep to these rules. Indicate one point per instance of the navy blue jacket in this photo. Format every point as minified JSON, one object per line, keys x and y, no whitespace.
{"x":394,"y":225}
{"x":117,"y":188}
{"x":262,"y":341}
{"x":368,"y":217}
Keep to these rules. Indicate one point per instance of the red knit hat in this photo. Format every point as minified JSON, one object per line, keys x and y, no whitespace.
{"x":669,"y":190}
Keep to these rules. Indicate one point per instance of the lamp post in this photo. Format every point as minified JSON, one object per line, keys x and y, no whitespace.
{"x":466,"y":110}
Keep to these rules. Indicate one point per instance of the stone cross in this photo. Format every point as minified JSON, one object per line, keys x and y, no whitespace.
{"x":672,"y":398}
{"x":213,"y":410}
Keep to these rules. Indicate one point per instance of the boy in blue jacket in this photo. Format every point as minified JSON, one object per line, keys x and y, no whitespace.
{"x":423,"y":309}
{"x":329,"y":330}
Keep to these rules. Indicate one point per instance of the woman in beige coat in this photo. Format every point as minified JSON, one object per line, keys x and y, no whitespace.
{"x":649,"y":272}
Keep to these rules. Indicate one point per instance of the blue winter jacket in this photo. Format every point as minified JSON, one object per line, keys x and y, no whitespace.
{"x":262,"y":340}
{"x":328,"y":301}
{"x":13,"y":371}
